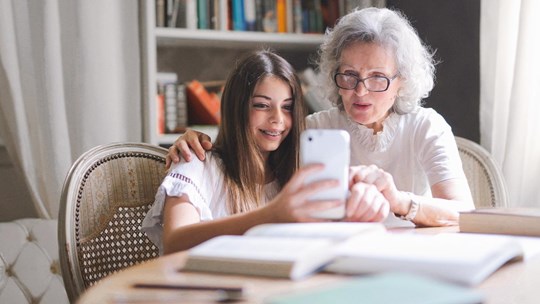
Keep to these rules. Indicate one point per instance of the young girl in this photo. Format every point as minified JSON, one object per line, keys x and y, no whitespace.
{"x":254,"y":156}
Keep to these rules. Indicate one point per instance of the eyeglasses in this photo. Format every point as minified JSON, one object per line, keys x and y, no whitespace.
{"x":372,"y":83}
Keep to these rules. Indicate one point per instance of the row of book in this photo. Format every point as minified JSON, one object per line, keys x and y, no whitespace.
{"x":180,"y":105}
{"x":282,"y":16}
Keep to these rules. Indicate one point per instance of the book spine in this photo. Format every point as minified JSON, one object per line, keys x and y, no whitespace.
{"x":239,"y":22}
{"x":203,"y":107}
{"x":223,"y":7}
{"x":297,"y":11}
{"x":202,"y":14}
{"x":289,"y":8}
{"x":173,"y":17}
{"x":269,"y":19}
{"x":160,"y":13}
{"x":182,"y":108}
{"x":259,"y":15}
{"x":281,"y":16}
{"x":249,"y":14}
{"x":160,"y":112}
{"x":191,"y":14}
{"x":171,"y":106}
{"x":180,"y":14}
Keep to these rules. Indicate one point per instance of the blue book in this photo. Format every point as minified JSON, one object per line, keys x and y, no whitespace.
{"x":382,"y":289}
{"x":239,"y":20}
{"x":202,"y":14}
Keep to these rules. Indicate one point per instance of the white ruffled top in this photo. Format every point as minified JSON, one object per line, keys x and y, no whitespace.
{"x":418,"y":149}
{"x":203,"y":183}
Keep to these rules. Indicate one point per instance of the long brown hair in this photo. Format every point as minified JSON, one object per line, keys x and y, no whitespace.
{"x":242,"y":163}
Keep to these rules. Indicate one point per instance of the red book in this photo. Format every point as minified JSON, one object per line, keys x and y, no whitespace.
{"x":160,"y":111}
{"x":203,"y":107}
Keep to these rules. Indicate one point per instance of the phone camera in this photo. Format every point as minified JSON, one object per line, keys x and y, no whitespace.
{"x":310,"y":138}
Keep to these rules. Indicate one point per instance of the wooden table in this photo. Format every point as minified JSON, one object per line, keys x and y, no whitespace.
{"x":517,"y":282}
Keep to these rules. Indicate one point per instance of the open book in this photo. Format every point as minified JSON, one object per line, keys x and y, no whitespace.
{"x":278,"y":250}
{"x":466,"y":259}
{"x":297,"y":250}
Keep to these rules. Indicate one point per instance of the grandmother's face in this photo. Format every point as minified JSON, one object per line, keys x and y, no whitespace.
{"x":363,"y":60}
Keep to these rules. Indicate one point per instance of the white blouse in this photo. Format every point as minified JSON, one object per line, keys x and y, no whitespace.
{"x":418,"y":149}
{"x":203,"y":183}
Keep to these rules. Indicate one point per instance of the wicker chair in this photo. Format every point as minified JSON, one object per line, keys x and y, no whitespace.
{"x":106,"y":195}
{"x":483,"y":174}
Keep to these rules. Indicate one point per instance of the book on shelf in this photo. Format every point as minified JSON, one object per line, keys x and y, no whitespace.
{"x":238,"y":16}
{"x":203,"y":106}
{"x":284,"y":16}
{"x":161,"y":13}
{"x":181,"y":108}
{"x":249,"y":15}
{"x":513,"y":221}
{"x":278,"y":250}
{"x":269,"y":21}
{"x":281,"y":16}
{"x":203,"y":14}
{"x":172,"y":103}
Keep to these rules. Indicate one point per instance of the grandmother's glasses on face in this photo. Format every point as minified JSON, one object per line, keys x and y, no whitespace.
{"x":372,"y":83}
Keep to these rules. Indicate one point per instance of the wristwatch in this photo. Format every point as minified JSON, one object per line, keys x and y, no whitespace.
{"x":413,"y":209}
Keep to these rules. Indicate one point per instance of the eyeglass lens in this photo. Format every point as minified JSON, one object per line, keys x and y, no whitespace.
{"x":373,"y":83}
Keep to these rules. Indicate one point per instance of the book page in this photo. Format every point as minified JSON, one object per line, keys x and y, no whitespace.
{"x":335,"y":231}
{"x":258,"y":248}
{"x":444,"y":247}
{"x":462,"y":258}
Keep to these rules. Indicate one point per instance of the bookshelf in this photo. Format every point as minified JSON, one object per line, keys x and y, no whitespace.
{"x":204,"y":55}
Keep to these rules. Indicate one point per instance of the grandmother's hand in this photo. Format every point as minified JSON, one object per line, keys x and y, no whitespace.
{"x":366,"y":204}
{"x":197,"y":141}
{"x":383,"y":182}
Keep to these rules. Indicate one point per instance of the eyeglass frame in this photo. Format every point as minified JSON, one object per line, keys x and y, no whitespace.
{"x":360,"y":80}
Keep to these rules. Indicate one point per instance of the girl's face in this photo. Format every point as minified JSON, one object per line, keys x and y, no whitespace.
{"x":364,"y":60}
{"x":270,"y":117}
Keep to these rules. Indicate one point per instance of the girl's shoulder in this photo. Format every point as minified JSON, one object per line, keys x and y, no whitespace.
{"x":210,"y":166}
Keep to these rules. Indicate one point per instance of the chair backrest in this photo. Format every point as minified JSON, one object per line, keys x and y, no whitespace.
{"x":105,"y":197}
{"x":485,"y":179}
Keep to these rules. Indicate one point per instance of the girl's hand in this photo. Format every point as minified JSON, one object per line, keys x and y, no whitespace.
{"x":292,"y":204}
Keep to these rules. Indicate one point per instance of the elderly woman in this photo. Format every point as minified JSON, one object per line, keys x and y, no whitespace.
{"x":377,"y":72}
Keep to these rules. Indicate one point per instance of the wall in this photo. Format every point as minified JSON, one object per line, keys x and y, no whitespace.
{"x":15,"y":201}
{"x":453,"y":29}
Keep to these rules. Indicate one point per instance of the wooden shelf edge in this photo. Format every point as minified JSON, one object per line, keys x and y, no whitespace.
{"x":214,"y":38}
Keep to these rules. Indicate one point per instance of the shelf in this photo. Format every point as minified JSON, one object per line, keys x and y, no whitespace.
{"x":171,"y":37}
{"x":170,"y":138}
{"x":161,"y":46}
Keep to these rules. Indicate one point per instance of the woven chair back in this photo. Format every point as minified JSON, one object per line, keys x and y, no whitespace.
{"x":106,"y":195}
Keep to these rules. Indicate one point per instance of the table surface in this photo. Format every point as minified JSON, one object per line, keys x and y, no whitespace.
{"x":517,"y":282}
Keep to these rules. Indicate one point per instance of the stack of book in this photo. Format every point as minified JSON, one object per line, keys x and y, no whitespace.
{"x":172,"y":114}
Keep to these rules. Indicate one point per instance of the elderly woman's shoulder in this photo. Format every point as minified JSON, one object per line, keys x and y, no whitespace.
{"x":332,"y":117}
{"x":425,"y":118}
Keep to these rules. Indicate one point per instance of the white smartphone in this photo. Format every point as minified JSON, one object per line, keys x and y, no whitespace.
{"x":330,"y":147}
